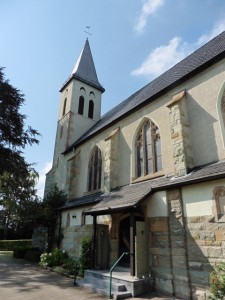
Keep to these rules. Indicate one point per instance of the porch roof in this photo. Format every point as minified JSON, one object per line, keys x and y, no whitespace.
{"x":82,"y":201}
{"x":129,"y":196}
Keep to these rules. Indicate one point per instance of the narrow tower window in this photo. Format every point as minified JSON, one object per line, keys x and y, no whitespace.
{"x":81,"y":106}
{"x":91,"y":109}
{"x":64,"y":107}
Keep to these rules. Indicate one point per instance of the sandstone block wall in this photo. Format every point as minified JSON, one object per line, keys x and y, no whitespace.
{"x":73,"y":236}
{"x":182,"y":266}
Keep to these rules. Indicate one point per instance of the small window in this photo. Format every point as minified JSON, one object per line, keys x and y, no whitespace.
{"x":95,"y":170}
{"x":91,"y":109}
{"x":82,"y":89}
{"x":81,"y":106}
{"x":148,"y":150}
{"x":64,"y":107}
{"x":68,"y":220}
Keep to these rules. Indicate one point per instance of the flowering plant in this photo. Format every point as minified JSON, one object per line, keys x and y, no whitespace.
{"x":55,"y":258}
{"x":217,"y":282}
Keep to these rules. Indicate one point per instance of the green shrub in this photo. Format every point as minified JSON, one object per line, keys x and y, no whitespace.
{"x":69,"y":265}
{"x":55,"y":258}
{"x":217,"y":282}
{"x":11,"y":245}
{"x":86,"y":255}
{"x":44,"y":259}
{"x":61,"y":262}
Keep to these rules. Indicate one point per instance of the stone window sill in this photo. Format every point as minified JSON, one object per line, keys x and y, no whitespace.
{"x":148,"y":177}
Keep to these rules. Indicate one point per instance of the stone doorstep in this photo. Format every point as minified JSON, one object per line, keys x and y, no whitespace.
{"x":102,"y":287}
{"x":123,"y":285}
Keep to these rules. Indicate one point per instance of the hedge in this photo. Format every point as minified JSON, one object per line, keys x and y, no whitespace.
{"x":11,"y":245}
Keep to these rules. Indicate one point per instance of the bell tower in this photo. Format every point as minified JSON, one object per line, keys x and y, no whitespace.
{"x":80,"y":103}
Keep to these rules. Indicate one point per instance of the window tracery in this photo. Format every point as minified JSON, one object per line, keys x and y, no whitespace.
{"x":95,"y":170}
{"x":148,"y":150}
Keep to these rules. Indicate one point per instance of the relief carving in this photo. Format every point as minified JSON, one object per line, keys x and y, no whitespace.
{"x":219,"y":203}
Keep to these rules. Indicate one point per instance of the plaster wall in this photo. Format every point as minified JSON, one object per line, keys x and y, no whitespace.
{"x":205,"y":128}
{"x":157,"y":205}
{"x":198,"y":198}
{"x":77,"y":221}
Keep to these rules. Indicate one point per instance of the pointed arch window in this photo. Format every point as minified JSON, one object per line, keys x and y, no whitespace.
{"x":95,"y":170}
{"x":223,"y":115}
{"x":81,"y":106}
{"x":148,"y":150}
{"x":91,"y":109}
{"x":64,"y":107}
{"x":221,"y":111}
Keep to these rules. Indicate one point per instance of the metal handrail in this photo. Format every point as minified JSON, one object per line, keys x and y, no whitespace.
{"x":112,"y":268}
{"x":76,"y":264}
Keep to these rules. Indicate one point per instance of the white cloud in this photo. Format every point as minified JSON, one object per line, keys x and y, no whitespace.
{"x":217,"y":29}
{"x":41,"y":182}
{"x":162,"y":58}
{"x":149,"y":7}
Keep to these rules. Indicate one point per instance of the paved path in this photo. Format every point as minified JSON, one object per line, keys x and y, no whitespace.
{"x":22,"y":280}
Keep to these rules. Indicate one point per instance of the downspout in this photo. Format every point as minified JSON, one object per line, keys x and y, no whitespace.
{"x":185,"y":240}
{"x":94,"y":242}
{"x":132,"y":243}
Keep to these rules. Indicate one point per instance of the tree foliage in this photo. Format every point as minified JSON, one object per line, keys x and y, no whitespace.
{"x":54,"y":199}
{"x":13,"y":135}
{"x":17,"y":177}
{"x":20,"y":208}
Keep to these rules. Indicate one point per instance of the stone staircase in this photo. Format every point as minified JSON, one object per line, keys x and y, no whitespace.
{"x":123,"y":285}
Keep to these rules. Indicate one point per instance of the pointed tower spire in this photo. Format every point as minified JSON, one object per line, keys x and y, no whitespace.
{"x":84,"y":69}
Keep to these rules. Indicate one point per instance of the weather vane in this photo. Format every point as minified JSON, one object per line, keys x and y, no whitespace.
{"x":87,"y":28}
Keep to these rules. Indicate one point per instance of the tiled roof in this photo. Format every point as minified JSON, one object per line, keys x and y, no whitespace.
{"x":129,"y":196}
{"x":199,"y":60}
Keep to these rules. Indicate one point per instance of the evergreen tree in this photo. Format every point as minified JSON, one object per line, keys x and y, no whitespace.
{"x":17,"y":177}
{"x":54,"y":199}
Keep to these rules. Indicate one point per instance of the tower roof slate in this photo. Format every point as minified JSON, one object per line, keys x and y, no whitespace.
{"x":202,"y":58}
{"x":84,"y":69}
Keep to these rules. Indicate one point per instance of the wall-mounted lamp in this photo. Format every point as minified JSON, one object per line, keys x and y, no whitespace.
{"x":74,"y":216}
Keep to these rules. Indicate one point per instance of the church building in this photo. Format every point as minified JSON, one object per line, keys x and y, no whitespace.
{"x":148,"y":177}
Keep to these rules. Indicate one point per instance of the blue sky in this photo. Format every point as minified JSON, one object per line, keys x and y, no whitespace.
{"x":132,"y":42}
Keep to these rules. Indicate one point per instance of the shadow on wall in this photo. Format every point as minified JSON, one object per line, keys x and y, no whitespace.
{"x":183,"y":251}
{"x":202,"y":133}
